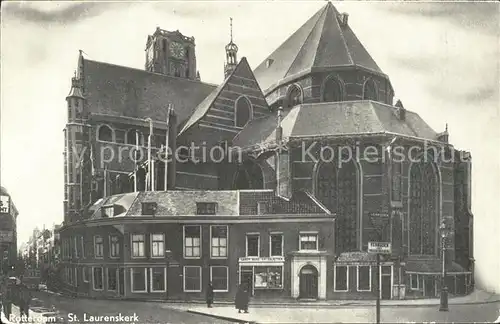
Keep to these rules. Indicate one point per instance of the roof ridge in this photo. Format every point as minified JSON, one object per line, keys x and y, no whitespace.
{"x":308,"y":37}
{"x":150,"y":73}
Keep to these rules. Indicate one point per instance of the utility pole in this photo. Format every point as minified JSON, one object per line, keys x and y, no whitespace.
{"x":378,"y":289}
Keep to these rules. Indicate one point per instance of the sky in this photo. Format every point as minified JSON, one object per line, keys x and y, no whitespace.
{"x":442,"y":60}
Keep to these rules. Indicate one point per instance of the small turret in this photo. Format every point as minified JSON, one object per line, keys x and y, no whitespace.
{"x":231,"y":54}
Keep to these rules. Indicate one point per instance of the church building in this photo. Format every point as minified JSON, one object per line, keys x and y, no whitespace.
{"x":277,"y":178}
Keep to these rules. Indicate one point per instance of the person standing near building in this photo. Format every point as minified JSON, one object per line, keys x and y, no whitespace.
{"x":24,"y":299}
{"x":242,"y":299}
{"x":210,"y":295}
{"x":7,"y":297}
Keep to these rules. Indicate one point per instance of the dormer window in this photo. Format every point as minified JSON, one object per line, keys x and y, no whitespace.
{"x":269,"y":62}
{"x":149,"y":208}
{"x":243,"y":112}
{"x":206,"y":208}
{"x":107,"y":211}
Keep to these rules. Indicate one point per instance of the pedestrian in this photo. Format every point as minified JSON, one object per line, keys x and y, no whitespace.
{"x":242,"y":299}
{"x":7,"y":298}
{"x":210,"y":295}
{"x":24,"y":299}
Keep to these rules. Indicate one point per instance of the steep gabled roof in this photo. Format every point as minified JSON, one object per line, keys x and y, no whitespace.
{"x":322,"y":42}
{"x":335,"y":119}
{"x":122,"y":91}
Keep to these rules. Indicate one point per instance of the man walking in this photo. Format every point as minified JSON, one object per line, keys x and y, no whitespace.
{"x":210,"y":295}
{"x":24,"y":299}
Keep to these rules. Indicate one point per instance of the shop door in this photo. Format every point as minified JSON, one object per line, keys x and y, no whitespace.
{"x":121,"y":281}
{"x":386,"y":283}
{"x":246,"y":279}
{"x":308,"y":283}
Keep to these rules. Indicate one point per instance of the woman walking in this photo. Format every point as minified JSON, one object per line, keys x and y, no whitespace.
{"x":242,"y":299}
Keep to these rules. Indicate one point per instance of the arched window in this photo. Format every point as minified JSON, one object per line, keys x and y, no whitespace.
{"x":423,"y":209}
{"x":370,"y":91}
{"x":243,"y":112}
{"x":294,"y":96}
{"x":105,"y":133}
{"x":131,"y":137}
{"x":332,"y":90}
{"x":248,"y":176}
{"x":337,"y":189}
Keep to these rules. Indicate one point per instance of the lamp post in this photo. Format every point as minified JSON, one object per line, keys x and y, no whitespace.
{"x":443,"y":305}
{"x":168,"y":257}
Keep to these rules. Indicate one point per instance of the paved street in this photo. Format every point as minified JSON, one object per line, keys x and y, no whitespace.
{"x":356,"y":314}
{"x":145,"y":311}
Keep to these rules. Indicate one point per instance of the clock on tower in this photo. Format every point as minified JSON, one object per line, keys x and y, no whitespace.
{"x":177,"y":50}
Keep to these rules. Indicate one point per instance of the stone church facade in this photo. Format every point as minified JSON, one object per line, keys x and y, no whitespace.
{"x":313,"y":159}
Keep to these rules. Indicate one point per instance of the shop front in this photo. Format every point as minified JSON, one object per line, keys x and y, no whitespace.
{"x":263,"y":276}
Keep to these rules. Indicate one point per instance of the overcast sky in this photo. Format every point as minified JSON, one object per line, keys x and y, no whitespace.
{"x":442,"y":59}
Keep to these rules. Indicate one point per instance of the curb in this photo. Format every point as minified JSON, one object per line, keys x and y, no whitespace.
{"x":224,"y":318}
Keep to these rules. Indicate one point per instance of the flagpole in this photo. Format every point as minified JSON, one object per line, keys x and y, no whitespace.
{"x":169,"y":111}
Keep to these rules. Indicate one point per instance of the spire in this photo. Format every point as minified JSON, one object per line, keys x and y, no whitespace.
{"x":231,"y":52}
{"x":76,"y":88}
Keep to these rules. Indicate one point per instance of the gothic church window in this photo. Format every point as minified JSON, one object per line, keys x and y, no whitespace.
{"x":105,"y":133}
{"x":243,"y":112}
{"x":423,"y":209}
{"x":337,"y":189}
{"x":369,"y":90}
{"x":294,"y":97}
{"x":332,"y":90}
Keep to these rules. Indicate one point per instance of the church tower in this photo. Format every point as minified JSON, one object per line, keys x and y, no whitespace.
{"x":231,"y":54}
{"x":171,"y":53}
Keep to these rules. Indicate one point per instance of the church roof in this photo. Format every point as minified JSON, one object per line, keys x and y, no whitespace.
{"x":322,"y":42}
{"x":122,"y":91}
{"x":335,"y":119}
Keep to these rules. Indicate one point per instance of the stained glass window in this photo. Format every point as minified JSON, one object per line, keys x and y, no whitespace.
{"x":423,"y":209}
{"x":337,"y":190}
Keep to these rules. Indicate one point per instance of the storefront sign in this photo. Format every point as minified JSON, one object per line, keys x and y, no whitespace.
{"x":262,"y":259}
{"x":379,"y":247}
{"x":6,"y":236}
{"x":4,"y":204}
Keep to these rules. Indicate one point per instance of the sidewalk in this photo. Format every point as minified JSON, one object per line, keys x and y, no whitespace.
{"x":476,"y":297}
{"x":344,"y":311}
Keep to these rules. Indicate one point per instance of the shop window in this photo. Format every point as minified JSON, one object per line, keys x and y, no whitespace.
{"x":276,"y":245}
{"x":341,"y":282}
{"x":308,"y":241}
{"x":114,"y":246}
{"x":85,"y":274}
{"x":138,"y":248}
{"x":112,"y":282}
{"x":364,"y":278}
{"x":97,"y":278}
{"x":219,"y":278}
{"x":192,"y":279}
{"x":219,"y":241}
{"x":98,"y":246}
{"x":157,"y":245}
{"x":206,"y":208}
{"x":268,"y":277}
{"x":157,"y":275}
{"x":253,"y":245}
{"x":138,"y":279}
{"x":192,"y":237}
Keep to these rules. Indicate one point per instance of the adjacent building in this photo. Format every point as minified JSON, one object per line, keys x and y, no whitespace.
{"x":309,"y":149}
{"x":8,"y":232}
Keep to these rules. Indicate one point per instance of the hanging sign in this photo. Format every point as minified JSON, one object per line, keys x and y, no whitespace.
{"x":4,"y":204}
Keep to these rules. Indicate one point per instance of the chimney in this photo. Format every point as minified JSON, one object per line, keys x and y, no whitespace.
{"x":344,"y":17}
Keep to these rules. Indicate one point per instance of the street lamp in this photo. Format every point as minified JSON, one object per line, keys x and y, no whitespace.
{"x":168,"y":257}
{"x":444,"y":231}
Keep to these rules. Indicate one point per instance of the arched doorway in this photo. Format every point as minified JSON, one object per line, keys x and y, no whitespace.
{"x":308,"y":282}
